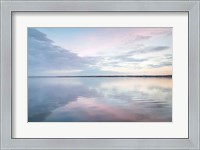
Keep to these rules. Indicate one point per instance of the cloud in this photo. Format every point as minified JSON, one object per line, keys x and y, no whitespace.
{"x":159,"y":48}
{"x":132,"y":55}
{"x":161,"y":64}
{"x":46,"y":58}
{"x":130,"y":59}
{"x":141,"y":37}
{"x":137,"y":62}
{"x":131,"y":39}
{"x":149,"y":50}
{"x":33,"y":33}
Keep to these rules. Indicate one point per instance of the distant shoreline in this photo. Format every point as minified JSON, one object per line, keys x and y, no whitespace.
{"x":137,"y":76}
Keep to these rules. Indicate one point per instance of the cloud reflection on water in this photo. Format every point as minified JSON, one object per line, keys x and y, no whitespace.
{"x":100,"y":99}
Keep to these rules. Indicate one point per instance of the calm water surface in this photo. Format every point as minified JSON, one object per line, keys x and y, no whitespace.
{"x":119,"y":99}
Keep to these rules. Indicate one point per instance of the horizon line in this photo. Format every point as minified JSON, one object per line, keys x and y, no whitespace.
{"x":107,"y":76}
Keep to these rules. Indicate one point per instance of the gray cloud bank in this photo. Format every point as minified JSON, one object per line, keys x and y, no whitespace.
{"x":46,"y":58}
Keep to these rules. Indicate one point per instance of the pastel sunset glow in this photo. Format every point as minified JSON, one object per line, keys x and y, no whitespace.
{"x":99,"y":51}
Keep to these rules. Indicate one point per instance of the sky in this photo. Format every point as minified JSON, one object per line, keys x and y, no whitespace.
{"x":99,"y":51}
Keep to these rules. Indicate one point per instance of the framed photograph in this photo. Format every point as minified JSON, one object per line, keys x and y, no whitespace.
{"x":100,"y":75}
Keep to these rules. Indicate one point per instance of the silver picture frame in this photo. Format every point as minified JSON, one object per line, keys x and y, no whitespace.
{"x":7,"y":7}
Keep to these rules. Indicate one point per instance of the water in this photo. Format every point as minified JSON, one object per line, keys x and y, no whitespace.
{"x":120,"y":99}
